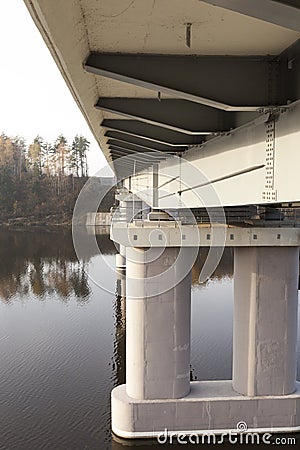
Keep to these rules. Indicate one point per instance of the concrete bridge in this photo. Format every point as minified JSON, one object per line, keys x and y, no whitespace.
{"x":195,"y":104}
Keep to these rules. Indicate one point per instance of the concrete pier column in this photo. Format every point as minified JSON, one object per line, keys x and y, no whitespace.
{"x":121,"y":287}
{"x":121,"y":272}
{"x":121,"y":259}
{"x":158,"y":323}
{"x":265,"y":320}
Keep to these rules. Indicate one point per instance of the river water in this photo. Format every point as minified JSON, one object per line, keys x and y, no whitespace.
{"x":62,"y":346}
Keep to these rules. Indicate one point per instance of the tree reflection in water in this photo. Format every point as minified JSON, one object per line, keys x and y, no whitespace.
{"x":224,"y":269}
{"x":40,"y":263}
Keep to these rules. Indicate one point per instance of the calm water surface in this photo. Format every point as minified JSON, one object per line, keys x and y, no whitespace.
{"x":62,"y":346}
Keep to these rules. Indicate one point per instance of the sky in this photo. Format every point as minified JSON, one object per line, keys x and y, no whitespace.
{"x":34,"y":98}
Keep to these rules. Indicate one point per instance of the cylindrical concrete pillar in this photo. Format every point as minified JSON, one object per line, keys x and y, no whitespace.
{"x":265,"y":320}
{"x":121,"y":285}
{"x":121,"y":259}
{"x":158,"y":309}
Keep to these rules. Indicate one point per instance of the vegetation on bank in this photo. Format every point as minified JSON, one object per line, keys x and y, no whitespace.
{"x":39,"y":183}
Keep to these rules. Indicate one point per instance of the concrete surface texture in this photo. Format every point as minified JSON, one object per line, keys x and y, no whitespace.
{"x":211,"y":406}
{"x":157,"y":324}
{"x":265,"y":320}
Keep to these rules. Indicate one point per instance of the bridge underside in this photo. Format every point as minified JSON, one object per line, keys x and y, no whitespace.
{"x":206,"y":80}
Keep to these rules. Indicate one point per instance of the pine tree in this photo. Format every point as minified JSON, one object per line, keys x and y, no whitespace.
{"x":78,"y":160}
{"x":35,"y":155}
{"x":61,"y":152}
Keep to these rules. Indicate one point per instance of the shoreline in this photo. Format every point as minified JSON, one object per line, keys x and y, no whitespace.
{"x":55,"y":221}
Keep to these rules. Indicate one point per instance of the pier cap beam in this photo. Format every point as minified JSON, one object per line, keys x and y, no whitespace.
{"x":173,"y":234}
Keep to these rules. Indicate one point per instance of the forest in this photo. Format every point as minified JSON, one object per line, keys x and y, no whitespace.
{"x":41,"y":181}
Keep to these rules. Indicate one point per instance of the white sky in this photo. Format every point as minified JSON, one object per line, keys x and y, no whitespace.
{"x":34,"y":98}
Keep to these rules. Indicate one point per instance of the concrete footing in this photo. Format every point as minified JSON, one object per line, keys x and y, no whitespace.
{"x":210,"y":407}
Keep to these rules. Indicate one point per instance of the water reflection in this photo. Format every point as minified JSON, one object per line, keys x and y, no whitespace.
{"x":40,"y":264}
{"x":119,"y":354}
{"x":224,"y":269}
{"x":45,"y":263}
{"x":142,"y":444}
